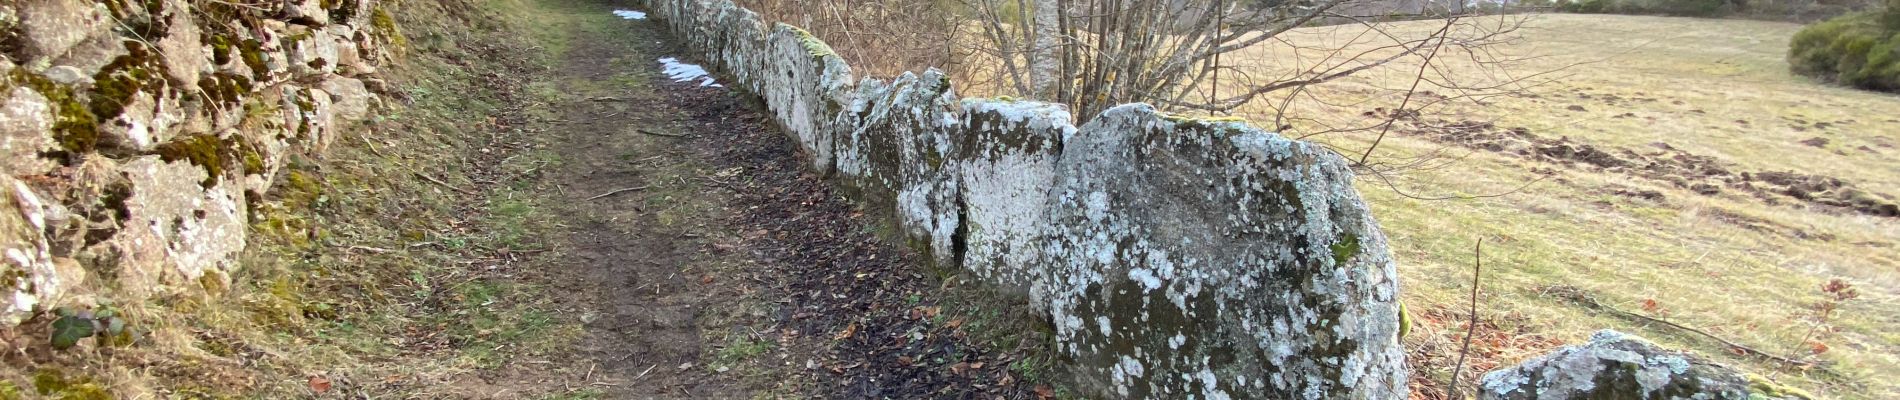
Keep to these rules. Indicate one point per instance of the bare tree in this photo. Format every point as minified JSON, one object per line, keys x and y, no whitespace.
{"x":1202,"y":55}
{"x":1265,"y":59}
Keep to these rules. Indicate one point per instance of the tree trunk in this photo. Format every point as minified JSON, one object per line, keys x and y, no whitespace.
{"x":1045,"y":53}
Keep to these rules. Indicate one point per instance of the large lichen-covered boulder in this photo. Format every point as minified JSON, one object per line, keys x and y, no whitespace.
{"x":1005,"y":164}
{"x":891,"y":147}
{"x":1615,"y":365}
{"x":1210,"y":259}
{"x":806,"y":86}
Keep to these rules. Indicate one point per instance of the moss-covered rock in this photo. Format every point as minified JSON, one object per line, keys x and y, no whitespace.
{"x":1615,"y":365}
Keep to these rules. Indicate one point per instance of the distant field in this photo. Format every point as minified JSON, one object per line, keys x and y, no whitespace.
{"x":1645,"y":206}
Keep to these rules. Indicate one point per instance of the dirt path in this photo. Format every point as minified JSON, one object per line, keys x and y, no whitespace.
{"x":705,"y":263}
{"x":637,"y":235}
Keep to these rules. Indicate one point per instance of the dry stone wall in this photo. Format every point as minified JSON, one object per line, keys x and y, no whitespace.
{"x":1175,"y":257}
{"x":133,"y":134}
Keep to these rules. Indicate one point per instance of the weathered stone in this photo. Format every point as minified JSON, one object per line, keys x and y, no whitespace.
{"x":1211,"y":259}
{"x":68,"y":75}
{"x":28,"y":274}
{"x":308,"y":115}
{"x":892,"y":144}
{"x":349,"y":57}
{"x":176,"y":230}
{"x":147,"y":119}
{"x":807,"y":87}
{"x":306,"y":12}
{"x":1005,"y":159}
{"x":94,"y":53}
{"x":184,"y":53}
{"x":349,"y":98}
{"x":26,"y":123}
{"x":50,"y":27}
{"x":1615,"y":365}
{"x":161,"y":122}
{"x":265,"y":49}
{"x":311,"y":52}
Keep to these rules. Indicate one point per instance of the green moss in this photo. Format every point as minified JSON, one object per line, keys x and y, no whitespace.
{"x":52,"y":383}
{"x":814,"y":46}
{"x":115,"y":85}
{"x":1345,"y":249}
{"x":221,"y":47}
{"x":225,"y":89}
{"x":253,"y":159}
{"x":9,"y":392}
{"x":213,"y":154}
{"x":1405,"y":320}
{"x":13,"y":278}
{"x":74,"y":125}
{"x":252,"y":52}
{"x":386,"y":29}
{"x":1762,"y":386}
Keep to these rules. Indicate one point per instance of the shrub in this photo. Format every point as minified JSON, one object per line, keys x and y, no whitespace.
{"x":1861,"y":50}
{"x":1693,"y":8}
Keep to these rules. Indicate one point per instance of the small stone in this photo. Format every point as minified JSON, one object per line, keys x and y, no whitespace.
{"x":67,"y":75}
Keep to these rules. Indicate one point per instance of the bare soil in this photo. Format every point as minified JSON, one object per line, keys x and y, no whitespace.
{"x":1661,"y":162}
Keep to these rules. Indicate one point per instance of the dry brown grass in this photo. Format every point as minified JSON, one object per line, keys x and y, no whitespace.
{"x":1716,"y":88}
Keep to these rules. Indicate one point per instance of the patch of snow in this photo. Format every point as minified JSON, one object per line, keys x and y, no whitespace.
{"x":681,"y":72}
{"x":630,"y":14}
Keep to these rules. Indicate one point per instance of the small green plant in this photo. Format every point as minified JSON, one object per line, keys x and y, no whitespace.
{"x":104,"y":325}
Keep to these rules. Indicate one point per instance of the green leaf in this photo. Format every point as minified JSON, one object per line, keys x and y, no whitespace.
{"x":115,"y":325}
{"x":68,"y":330}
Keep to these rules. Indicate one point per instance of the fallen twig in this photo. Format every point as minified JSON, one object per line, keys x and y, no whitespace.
{"x":371,"y":249}
{"x":618,"y":191}
{"x":605,"y":98}
{"x":432,"y":179}
{"x":658,"y":134}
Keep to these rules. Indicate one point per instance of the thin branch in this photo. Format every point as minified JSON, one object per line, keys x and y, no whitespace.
{"x":1400,"y":113}
{"x":1471,"y":329}
{"x":618,"y":191}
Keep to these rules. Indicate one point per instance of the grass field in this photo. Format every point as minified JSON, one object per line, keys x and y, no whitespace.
{"x":1728,"y":263}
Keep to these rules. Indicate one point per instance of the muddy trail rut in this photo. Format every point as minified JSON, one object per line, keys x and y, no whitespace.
{"x":705,"y":263}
